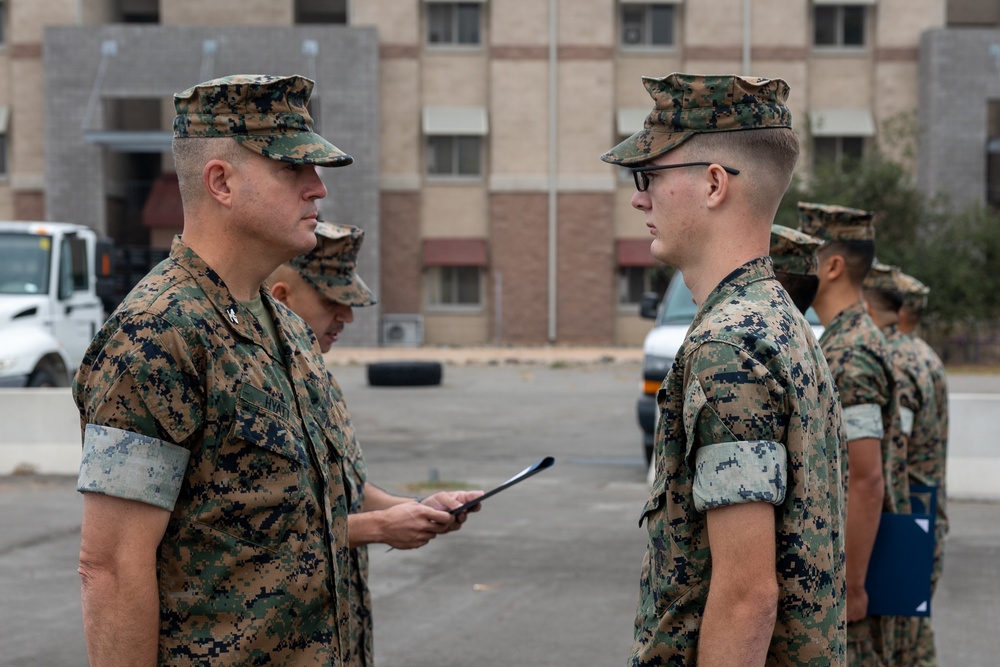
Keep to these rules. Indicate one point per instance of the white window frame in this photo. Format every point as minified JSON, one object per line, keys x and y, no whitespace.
{"x":645,"y":42}
{"x":840,"y":25}
{"x":434,"y":288}
{"x":434,"y":6}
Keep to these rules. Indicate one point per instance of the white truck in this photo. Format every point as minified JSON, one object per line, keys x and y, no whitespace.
{"x":50,"y":307}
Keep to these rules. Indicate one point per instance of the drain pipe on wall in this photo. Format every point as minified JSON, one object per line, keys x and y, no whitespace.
{"x":747,"y":4}
{"x":553,"y":158}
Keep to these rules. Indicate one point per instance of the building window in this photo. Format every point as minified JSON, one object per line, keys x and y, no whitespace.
{"x":74,"y":274}
{"x":139,"y":11}
{"x":451,"y":286}
{"x":837,"y":151}
{"x":839,"y":26}
{"x":633,"y":281}
{"x":320,"y":11}
{"x":454,"y":23}
{"x":645,"y":25}
{"x":454,"y":156}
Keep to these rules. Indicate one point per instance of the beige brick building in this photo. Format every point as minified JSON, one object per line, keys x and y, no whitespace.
{"x":496,"y":220}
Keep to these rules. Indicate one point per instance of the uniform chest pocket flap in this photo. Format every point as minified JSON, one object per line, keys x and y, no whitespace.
{"x":657,"y":498}
{"x":265,"y":421}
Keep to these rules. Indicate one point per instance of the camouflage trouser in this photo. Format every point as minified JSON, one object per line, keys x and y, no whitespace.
{"x":870,"y":640}
{"x":915,"y":643}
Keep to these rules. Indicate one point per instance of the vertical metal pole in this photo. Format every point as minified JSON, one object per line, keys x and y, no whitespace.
{"x":498,"y":308}
{"x":553,"y":158}
{"x":747,"y":6}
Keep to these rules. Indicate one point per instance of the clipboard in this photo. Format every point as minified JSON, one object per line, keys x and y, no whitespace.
{"x":519,"y":477}
{"x":898,"y":581}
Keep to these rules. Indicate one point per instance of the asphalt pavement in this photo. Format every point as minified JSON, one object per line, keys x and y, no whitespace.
{"x":546,"y":574}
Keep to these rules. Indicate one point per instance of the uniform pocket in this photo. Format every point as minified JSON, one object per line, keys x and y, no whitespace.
{"x":263,"y":474}
{"x":265,"y":421}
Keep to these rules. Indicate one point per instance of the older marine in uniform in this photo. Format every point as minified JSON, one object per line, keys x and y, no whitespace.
{"x":215,"y":519}
{"x":745,"y":557}
{"x":323,"y":287}
{"x":859,"y":359}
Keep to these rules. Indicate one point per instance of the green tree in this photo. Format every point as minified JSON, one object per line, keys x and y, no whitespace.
{"x":955,"y":252}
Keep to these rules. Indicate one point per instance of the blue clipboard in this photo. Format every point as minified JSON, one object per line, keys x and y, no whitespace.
{"x":899,"y":572}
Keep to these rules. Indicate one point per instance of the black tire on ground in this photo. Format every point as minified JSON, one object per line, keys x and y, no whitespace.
{"x":42,"y":378}
{"x":404,"y":374}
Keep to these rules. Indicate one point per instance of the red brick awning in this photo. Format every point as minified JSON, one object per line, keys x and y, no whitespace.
{"x":634,"y":252}
{"x":455,"y":252}
{"x":163,"y":209}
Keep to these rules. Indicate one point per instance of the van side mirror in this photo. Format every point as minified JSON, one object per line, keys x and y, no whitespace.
{"x":649,"y":304}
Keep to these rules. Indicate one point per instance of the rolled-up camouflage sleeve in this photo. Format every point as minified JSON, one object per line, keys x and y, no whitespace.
{"x":139,"y":400}
{"x":736,"y":418}
{"x":863,"y":421}
{"x":131,"y":466}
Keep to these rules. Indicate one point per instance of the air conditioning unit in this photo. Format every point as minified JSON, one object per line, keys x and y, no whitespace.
{"x":403,"y":330}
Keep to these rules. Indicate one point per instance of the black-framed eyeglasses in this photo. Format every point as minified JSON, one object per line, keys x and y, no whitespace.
{"x":642,"y":180}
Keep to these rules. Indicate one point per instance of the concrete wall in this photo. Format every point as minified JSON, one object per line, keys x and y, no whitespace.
{"x":41,"y":434}
{"x":959,"y":75}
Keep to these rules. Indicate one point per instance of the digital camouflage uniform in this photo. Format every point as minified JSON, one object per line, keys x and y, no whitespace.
{"x":860,"y":361}
{"x":361,"y":650}
{"x":926,"y":457}
{"x":747,"y":414}
{"x":189,"y":406}
{"x":330,"y":269}
{"x":793,"y":251}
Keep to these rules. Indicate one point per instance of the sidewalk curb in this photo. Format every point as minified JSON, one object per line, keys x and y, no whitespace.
{"x":487,"y":356}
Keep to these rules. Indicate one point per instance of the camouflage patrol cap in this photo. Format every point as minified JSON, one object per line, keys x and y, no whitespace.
{"x":264,"y":113}
{"x":330,"y":266}
{"x":688,"y":104}
{"x":882,"y":277}
{"x":836,"y":223}
{"x":914,"y":292}
{"x":793,"y":251}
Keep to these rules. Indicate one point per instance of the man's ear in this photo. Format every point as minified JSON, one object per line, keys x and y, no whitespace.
{"x":217,"y":179}
{"x":717,"y":182}
{"x":832,"y":267}
{"x":279,"y":291}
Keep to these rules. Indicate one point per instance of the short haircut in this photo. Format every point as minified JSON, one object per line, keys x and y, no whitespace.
{"x":886,"y":301}
{"x":191,"y":154}
{"x":858,"y":254}
{"x":764,"y":156}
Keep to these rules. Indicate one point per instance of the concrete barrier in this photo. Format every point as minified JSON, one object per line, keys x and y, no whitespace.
{"x":40,"y":433}
{"x":974,"y":446}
